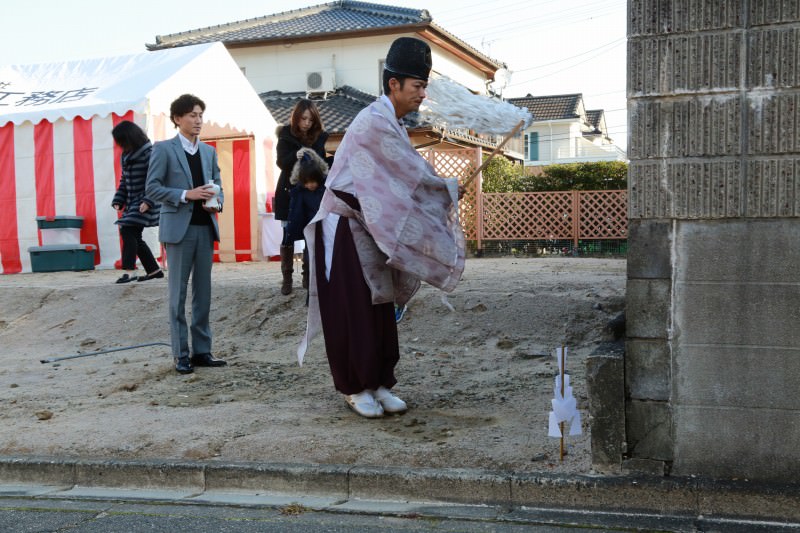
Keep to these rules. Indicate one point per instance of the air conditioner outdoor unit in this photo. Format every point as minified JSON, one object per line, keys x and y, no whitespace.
{"x":320,"y":81}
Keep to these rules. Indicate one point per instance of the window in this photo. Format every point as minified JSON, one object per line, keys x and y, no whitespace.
{"x":532,"y":146}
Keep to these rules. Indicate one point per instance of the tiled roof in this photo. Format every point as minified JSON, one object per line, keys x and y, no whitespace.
{"x":337,"y":111}
{"x":554,"y":107}
{"x":593,"y":117}
{"x":340,"y":17}
{"x":333,"y":17}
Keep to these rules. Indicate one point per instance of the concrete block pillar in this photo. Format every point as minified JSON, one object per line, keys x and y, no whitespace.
{"x":712,"y":365}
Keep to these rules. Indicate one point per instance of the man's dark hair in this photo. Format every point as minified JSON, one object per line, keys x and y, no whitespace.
{"x":129,"y":136}
{"x":389,"y":75}
{"x":183,"y":105}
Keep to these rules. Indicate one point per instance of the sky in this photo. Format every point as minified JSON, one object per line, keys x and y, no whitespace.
{"x":550,"y":46}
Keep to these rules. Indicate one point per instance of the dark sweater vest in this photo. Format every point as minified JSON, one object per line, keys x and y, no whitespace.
{"x":200,"y":216}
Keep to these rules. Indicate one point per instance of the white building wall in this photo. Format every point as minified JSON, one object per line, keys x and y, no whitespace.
{"x":355,"y":62}
{"x":554,"y":139}
{"x":561,"y":141}
{"x":447,"y":64}
{"x":575,"y":138}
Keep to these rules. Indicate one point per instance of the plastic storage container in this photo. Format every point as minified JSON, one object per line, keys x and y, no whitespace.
{"x":60,"y":229}
{"x":58,"y":257}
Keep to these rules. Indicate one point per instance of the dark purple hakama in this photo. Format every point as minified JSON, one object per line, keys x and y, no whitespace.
{"x":360,"y":338}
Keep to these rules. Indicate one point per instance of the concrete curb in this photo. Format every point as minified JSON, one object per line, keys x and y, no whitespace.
{"x":342,"y":483}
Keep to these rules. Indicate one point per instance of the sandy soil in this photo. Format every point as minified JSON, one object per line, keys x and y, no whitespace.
{"x":478,"y":379}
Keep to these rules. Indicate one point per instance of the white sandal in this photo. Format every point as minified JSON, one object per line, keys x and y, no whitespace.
{"x":390,"y":403}
{"x":364,"y":404}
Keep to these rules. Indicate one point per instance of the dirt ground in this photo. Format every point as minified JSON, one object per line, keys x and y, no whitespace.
{"x":478,"y":379}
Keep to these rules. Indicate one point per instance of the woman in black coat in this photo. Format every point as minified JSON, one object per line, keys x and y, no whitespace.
{"x":304,"y":130}
{"x":138,"y":211}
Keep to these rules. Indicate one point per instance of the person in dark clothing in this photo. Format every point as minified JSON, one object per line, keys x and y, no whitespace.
{"x":305,"y":130}
{"x":138,"y":211}
{"x":308,"y":180}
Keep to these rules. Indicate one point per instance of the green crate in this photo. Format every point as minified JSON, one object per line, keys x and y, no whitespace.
{"x":58,"y":257}
{"x":59,"y":222}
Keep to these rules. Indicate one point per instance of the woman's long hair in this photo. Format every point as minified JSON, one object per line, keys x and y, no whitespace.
{"x":307,"y":138}
{"x":129,"y":136}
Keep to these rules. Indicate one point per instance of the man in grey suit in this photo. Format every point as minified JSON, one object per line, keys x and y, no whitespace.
{"x":182,"y":175}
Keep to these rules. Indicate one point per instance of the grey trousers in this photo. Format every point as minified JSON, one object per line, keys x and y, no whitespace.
{"x":193,"y":255}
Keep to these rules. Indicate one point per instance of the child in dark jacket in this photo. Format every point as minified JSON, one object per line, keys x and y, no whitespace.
{"x":308,"y":181}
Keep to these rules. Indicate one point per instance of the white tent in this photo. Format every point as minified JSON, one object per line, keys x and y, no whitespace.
{"x":57,"y":156}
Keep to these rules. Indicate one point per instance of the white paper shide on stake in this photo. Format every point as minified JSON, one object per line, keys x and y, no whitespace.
{"x":452,"y":106}
{"x":565,"y":410}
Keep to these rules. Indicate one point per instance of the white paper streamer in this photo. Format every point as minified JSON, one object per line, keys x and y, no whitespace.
{"x":565,"y":407}
{"x":447,"y":304}
{"x":451,"y":105}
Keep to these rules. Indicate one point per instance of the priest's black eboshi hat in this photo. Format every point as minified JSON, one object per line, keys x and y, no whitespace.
{"x":409,"y":57}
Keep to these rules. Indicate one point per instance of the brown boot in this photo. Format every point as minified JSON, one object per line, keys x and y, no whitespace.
{"x":287,"y":260}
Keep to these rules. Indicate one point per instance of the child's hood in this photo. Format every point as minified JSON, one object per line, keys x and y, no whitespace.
{"x":315,"y":159}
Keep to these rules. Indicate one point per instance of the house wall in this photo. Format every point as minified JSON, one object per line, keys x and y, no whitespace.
{"x":554,"y":138}
{"x":712,"y":358}
{"x":562,"y":141}
{"x":356,"y":62}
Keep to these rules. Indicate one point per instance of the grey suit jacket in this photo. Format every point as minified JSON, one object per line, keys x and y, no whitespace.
{"x":167,"y":178}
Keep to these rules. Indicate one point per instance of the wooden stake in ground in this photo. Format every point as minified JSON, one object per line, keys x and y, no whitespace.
{"x":562,"y":367}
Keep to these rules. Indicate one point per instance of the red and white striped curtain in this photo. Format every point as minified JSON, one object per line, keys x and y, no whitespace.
{"x":238,"y":222}
{"x":73,"y":168}
{"x":62,"y":168}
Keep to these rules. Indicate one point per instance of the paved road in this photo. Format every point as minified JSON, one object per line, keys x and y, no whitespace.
{"x":61,"y":515}
{"x":79,"y":515}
